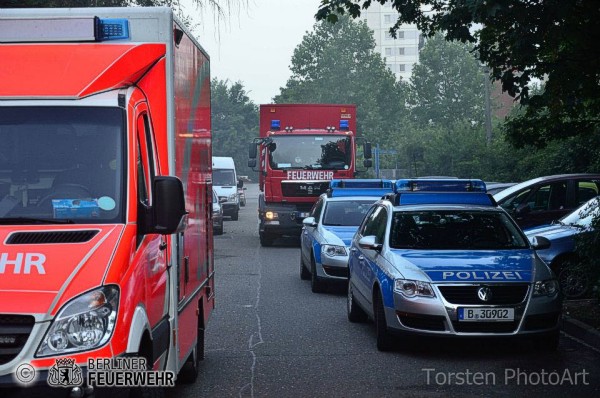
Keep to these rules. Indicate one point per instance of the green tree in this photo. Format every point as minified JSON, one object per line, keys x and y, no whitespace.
{"x":338,"y":64}
{"x":447,"y":85}
{"x":234,"y":122}
{"x":520,"y":41}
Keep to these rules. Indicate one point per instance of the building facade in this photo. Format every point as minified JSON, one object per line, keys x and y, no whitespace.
{"x":401,"y":53}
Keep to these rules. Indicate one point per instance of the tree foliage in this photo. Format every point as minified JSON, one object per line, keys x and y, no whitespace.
{"x":555,"y":41}
{"x":234,"y":122}
{"x":338,"y":64}
{"x":447,"y":85}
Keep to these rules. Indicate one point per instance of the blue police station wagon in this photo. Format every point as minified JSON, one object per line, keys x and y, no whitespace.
{"x":439,"y":257}
{"x":333,"y":220}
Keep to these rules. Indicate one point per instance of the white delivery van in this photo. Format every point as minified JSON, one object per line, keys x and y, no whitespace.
{"x":225,"y":184}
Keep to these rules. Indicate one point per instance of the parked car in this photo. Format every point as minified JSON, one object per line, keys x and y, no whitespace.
{"x":561,"y":256}
{"x":217,"y":213}
{"x":434,"y":261}
{"x":328,"y":230}
{"x":495,"y":187}
{"x":545,"y":199}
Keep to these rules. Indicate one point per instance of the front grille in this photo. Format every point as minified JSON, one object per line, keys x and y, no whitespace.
{"x":501,"y":294}
{"x":541,"y":321}
{"x":420,"y":321}
{"x":336,"y":271}
{"x":304,"y":189}
{"x":485,"y":327}
{"x":33,"y":238}
{"x":14,"y":332}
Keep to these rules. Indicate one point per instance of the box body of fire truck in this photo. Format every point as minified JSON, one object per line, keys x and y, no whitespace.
{"x":300,"y":149}
{"x":105,"y":191}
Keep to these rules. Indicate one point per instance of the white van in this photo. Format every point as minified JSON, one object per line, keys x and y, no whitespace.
{"x":225,"y":183}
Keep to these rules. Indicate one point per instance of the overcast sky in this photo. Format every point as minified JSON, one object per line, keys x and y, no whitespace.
{"x":255,"y":44}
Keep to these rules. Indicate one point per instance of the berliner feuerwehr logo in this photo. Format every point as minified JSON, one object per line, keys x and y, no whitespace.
{"x":65,"y":373}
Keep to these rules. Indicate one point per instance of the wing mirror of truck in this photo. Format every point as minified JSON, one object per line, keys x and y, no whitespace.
{"x":367,"y":150}
{"x":367,"y":163}
{"x":168,"y":214}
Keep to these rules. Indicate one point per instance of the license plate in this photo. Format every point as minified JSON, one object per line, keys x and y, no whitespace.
{"x":486,"y":314}
{"x":301,"y":214}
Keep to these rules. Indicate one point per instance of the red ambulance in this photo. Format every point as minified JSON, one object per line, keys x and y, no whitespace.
{"x":105,"y":190}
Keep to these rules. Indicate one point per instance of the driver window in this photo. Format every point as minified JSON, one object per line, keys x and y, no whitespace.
{"x":316,"y":210}
{"x":145,"y":161}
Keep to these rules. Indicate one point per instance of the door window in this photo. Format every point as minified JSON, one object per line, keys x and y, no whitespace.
{"x":585,"y":191}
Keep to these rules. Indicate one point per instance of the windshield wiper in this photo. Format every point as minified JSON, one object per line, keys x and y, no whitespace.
{"x":30,"y":220}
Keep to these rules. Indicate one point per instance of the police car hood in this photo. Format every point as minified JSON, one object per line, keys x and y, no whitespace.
{"x":40,"y":266}
{"x":335,"y":234}
{"x":467,"y":266}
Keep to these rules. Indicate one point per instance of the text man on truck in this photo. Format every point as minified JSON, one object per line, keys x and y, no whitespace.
{"x":105,"y":197}
{"x":301,"y":148}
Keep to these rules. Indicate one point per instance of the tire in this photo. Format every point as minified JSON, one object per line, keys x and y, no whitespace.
{"x":355,"y":313}
{"x":191,"y":368}
{"x":234,"y":216}
{"x":266,"y":240}
{"x":574,"y":281}
{"x":384,"y":338}
{"x":316,"y":284}
{"x":304,"y":273}
{"x":146,"y":392}
{"x":218,"y":231}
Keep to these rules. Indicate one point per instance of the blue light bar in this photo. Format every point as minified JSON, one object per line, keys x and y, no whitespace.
{"x":362,"y":183}
{"x":112,"y":29}
{"x":360,"y":187}
{"x":445,"y":198}
{"x":440,"y":185}
{"x":344,"y":125}
{"x":275,"y":124}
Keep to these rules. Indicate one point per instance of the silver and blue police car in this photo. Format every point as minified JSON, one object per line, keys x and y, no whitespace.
{"x":439,"y":257}
{"x":328,"y":230}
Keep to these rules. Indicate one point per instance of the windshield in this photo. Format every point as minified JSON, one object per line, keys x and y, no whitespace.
{"x":60,"y":163}
{"x":223,"y":177}
{"x":346,"y":213}
{"x":583,"y":216}
{"x":454,"y":230}
{"x":310,"y":152}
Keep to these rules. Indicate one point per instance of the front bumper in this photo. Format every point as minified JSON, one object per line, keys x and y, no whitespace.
{"x":333,"y":267}
{"x":229,"y":208}
{"x":438,"y":316}
{"x":288,"y":221}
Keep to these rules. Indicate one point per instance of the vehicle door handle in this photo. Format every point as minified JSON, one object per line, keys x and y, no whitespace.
{"x":361,"y":257}
{"x":353,"y":249}
{"x":305,"y":232}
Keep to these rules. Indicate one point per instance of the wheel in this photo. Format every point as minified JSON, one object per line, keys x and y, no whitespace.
{"x":355,"y":313}
{"x":218,"y":231}
{"x":384,"y":338}
{"x":304,"y":273}
{"x":548,"y":341}
{"x":574,"y":281}
{"x":316,"y":284}
{"x":266,"y":240}
{"x":191,"y":368}
{"x":234,"y":216}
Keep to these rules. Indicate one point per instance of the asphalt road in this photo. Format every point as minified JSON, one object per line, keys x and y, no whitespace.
{"x":270,"y":336}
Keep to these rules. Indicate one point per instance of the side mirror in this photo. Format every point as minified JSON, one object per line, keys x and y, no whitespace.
{"x":167,"y":215}
{"x":369,"y":243}
{"x":522,"y":209}
{"x":540,"y":243}
{"x":252,"y":163}
{"x":240,"y":184}
{"x":252,"y":151}
{"x":367,"y":150}
{"x":309,"y":222}
{"x":367,"y":163}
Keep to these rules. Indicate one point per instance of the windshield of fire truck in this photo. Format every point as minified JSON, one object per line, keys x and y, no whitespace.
{"x":310,"y":152}
{"x":61,"y":164}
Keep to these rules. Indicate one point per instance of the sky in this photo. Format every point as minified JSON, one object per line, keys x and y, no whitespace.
{"x":255,"y":44}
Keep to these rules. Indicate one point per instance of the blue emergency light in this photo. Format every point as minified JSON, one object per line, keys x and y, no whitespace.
{"x":359,"y":187}
{"x":440,"y":185}
{"x":344,"y":125}
{"x":112,"y":29}
{"x":275,"y":124}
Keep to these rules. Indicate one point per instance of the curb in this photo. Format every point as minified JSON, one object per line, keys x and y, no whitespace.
{"x":581,"y":331}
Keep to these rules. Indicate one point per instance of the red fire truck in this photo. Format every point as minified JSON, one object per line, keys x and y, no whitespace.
{"x":105,"y":191}
{"x":301,"y":148}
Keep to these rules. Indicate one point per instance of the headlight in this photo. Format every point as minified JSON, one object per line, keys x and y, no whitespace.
{"x":271,"y":215}
{"x":332,"y":250}
{"x":410,"y":288}
{"x":83,"y":324}
{"x":233,"y":197}
{"x":546,"y":288}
